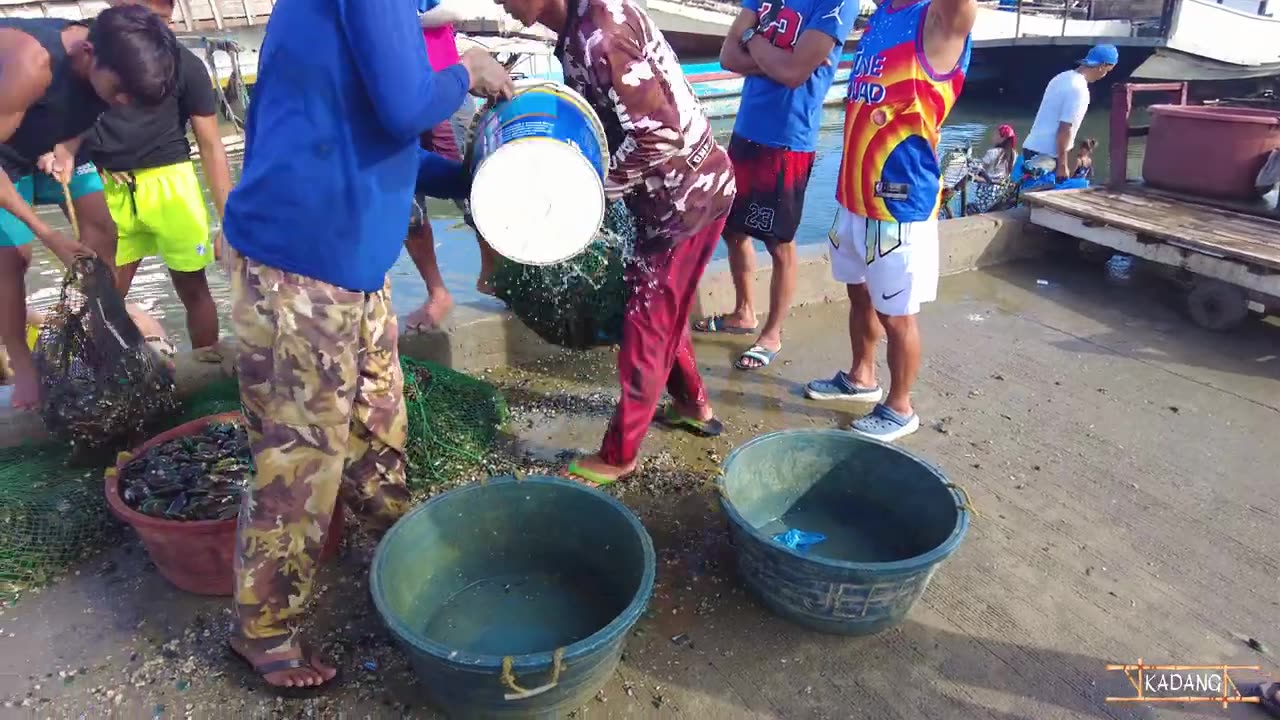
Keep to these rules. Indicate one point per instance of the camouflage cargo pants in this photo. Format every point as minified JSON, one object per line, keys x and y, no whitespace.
{"x":322,"y":390}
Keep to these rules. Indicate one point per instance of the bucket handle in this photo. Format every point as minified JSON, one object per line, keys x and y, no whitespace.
{"x":966,"y":503}
{"x":518,"y":693}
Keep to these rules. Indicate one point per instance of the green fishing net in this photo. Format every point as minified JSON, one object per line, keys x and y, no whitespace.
{"x":453,"y":421}
{"x":51,"y":515}
{"x":220,"y":396}
{"x":453,"y":418}
{"x":578,"y":303}
{"x":101,"y":385}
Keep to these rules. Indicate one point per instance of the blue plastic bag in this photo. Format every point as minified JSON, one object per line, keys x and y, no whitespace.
{"x":799,"y":539}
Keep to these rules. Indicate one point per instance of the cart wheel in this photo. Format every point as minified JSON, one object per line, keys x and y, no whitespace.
{"x":1215,"y":305}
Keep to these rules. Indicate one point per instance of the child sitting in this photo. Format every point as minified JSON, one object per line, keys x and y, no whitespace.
{"x":1082,"y":163}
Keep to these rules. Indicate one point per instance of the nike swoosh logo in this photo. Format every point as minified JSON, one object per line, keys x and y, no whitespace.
{"x":890,"y":297}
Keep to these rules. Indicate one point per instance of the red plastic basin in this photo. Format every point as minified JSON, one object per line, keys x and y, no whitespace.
{"x":195,"y":555}
{"x":1213,"y":152}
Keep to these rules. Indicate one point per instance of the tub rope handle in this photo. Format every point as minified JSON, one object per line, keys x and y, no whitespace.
{"x":966,"y":503}
{"x":519,"y":693}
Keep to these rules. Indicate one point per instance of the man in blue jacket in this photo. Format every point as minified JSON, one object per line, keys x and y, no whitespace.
{"x":331,"y":164}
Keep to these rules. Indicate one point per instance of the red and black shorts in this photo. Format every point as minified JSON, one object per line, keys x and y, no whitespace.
{"x":771,"y":183}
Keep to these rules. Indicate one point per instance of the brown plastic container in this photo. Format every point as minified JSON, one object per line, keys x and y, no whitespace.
{"x":1214,"y":152}
{"x":196,"y":555}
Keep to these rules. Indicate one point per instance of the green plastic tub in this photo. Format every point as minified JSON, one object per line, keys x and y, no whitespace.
{"x":513,"y":598}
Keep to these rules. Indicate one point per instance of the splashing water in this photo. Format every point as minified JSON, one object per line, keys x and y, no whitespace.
{"x":579,"y":303}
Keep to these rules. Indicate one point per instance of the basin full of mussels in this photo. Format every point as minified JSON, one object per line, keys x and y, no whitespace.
{"x":200,"y":476}
{"x":181,"y":492}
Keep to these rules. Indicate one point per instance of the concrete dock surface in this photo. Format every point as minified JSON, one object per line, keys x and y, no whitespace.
{"x":1124,"y":464}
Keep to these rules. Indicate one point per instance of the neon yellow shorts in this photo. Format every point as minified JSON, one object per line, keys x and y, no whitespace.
{"x":162,"y":212}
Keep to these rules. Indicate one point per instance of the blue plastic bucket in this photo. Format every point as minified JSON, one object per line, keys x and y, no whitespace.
{"x":513,"y":598}
{"x":539,"y":162}
{"x":889,"y":520}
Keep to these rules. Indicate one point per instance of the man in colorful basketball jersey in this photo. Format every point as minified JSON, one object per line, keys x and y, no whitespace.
{"x":678,"y":184}
{"x":788,"y":49}
{"x":907,"y":74}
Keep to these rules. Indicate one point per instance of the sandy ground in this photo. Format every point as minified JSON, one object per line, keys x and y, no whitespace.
{"x":1123,"y":462}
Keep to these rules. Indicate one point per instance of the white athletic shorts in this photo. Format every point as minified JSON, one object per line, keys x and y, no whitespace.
{"x":897,"y":261}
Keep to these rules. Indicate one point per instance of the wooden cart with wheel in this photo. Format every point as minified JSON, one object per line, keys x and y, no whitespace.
{"x":1228,"y":261}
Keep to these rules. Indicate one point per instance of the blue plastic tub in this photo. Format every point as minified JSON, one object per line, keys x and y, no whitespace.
{"x":889,"y":519}
{"x":513,"y":598}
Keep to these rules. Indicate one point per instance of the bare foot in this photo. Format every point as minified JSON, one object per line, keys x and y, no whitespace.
{"x":289,"y":667}
{"x":733,"y":323}
{"x":595,"y":472}
{"x":431,"y":315}
{"x":26,"y":390}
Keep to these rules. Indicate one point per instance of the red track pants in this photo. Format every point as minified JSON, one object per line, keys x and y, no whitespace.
{"x":656,"y":349}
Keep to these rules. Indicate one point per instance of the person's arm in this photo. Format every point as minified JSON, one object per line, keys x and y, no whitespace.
{"x":790,"y":61}
{"x":732,"y":56}
{"x":955,"y":18}
{"x":947,"y":28}
{"x":386,"y":45}
{"x":1073,"y":107}
{"x":648,"y":117}
{"x":25,"y":76}
{"x":198,"y":101}
{"x":1063,"y":144}
{"x":60,"y":162}
{"x":440,"y":177}
{"x":213,"y":158}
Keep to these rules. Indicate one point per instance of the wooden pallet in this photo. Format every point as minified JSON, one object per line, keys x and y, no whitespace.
{"x":1157,"y":216}
{"x":1236,"y":248}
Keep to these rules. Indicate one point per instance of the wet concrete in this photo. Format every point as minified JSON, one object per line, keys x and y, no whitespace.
{"x":1120,"y":459}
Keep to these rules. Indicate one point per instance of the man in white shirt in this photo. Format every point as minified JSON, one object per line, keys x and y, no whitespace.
{"x":1065,"y":102}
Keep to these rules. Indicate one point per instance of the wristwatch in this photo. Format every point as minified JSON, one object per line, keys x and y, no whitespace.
{"x":746,"y":37}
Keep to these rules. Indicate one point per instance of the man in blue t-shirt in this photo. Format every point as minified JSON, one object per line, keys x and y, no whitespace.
{"x":788,"y":50}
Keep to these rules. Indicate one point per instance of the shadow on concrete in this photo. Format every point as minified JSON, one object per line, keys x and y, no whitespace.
{"x":1145,"y":321}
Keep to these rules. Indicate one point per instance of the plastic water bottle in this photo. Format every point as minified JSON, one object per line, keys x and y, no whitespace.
{"x":1120,"y":268}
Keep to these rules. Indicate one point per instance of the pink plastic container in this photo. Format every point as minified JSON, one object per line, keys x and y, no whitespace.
{"x":1214,"y":152}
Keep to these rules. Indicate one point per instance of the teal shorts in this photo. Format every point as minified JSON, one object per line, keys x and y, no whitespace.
{"x":41,"y":189}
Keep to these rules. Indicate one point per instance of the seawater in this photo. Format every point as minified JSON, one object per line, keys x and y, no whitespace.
{"x":522,"y":613}
{"x":971,"y":123}
{"x":857,"y":531}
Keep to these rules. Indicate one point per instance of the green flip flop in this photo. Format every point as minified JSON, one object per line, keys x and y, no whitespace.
{"x":673,"y":419}
{"x":590,"y":476}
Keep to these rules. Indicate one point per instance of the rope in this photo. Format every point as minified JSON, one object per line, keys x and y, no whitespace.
{"x":71,"y":209}
{"x":518,"y":693}
{"x":966,"y":504}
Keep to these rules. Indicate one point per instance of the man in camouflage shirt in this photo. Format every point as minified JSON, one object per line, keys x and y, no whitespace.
{"x":677,"y":183}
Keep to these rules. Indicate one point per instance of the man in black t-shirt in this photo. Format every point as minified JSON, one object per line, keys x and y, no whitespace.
{"x":56,"y":78}
{"x":152,"y":189}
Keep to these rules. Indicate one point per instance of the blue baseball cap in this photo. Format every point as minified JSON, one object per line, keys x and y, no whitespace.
{"x":1101,"y":55}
